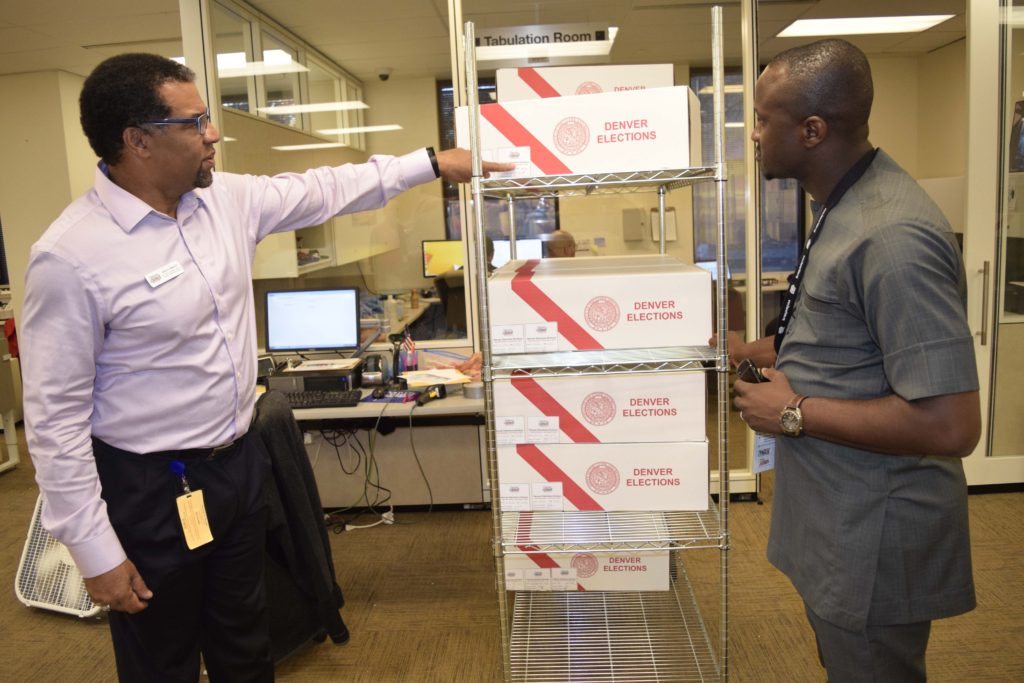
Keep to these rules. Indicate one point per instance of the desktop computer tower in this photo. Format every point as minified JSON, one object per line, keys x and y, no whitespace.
{"x":316,"y":380}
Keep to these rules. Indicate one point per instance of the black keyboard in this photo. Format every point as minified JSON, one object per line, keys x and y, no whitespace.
{"x":324,"y":399}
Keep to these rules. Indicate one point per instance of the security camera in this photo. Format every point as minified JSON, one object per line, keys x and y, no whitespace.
{"x":384,"y":73}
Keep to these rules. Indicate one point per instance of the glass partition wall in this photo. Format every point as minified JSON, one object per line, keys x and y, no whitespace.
{"x":1007,"y":271}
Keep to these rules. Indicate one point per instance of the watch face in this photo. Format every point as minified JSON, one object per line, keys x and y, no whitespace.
{"x":792,"y":421}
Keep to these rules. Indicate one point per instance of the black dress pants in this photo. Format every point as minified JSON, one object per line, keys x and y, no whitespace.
{"x":209,"y":600}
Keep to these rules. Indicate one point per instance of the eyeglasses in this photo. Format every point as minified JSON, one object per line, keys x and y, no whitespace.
{"x":200,"y":122}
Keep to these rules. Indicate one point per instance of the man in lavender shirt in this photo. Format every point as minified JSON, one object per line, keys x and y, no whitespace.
{"x":139,"y":357}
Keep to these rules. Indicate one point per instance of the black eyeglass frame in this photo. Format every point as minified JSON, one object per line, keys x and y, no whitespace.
{"x":201,"y":122}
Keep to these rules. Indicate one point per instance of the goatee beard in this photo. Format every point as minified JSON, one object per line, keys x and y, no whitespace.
{"x":204,"y":178}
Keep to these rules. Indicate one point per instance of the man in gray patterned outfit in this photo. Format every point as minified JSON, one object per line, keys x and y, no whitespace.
{"x":874,"y":391}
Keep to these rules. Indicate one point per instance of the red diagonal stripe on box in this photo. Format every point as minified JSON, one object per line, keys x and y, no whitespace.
{"x":541,"y":157}
{"x":533,"y":392}
{"x":536,"y":82}
{"x":571,"y":491}
{"x":546,"y":308}
{"x":542,"y":560}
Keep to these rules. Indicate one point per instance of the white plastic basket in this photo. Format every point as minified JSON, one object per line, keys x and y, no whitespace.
{"x":47,"y":576}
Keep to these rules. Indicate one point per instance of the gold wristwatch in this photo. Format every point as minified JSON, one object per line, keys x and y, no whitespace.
{"x":791,"y":419}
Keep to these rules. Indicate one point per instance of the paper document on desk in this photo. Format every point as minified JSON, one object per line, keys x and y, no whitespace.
{"x":325,"y":365}
{"x":424,"y":378}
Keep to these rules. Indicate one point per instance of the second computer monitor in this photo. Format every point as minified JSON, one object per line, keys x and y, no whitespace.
{"x":441,"y":256}
{"x":525,"y":249}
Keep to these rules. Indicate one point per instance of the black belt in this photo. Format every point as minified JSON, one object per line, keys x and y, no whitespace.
{"x":201,"y":453}
{"x":193,"y":454}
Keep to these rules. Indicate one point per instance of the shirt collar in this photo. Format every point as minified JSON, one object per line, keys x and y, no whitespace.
{"x":128,"y":210}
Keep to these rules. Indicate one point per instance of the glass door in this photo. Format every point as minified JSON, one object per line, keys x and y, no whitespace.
{"x":995,"y":246}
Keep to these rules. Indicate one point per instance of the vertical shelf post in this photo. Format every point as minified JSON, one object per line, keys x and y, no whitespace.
{"x":718,"y":79}
{"x":484,"y":318}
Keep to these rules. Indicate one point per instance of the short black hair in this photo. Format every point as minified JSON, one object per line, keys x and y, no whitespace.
{"x":832,"y":80}
{"x":122,"y":92}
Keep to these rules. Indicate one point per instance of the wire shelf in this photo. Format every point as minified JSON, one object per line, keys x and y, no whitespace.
{"x":596,"y":183}
{"x":595,"y":637}
{"x":598,"y":531}
{"x":604,"y":361}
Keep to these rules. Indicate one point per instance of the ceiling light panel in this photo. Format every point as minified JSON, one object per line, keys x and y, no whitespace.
{"x":861,"y":26}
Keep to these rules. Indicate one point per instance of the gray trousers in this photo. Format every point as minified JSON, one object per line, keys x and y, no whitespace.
{"x":891,"y":653}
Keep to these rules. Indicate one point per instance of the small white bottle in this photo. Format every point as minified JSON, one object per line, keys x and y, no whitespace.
{"x":392,"y":312}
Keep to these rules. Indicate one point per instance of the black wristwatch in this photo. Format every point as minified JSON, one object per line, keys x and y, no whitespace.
{"x":433,"y":162}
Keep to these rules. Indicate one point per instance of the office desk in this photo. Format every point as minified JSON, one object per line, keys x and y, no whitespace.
{"x":450,"y":406}
{"x":447,"y":438}
{"x":10,"y":406}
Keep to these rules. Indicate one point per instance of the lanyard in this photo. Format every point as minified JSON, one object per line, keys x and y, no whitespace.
{"x":796,"y":278}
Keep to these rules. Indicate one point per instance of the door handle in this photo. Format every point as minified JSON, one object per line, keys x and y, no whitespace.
{"x":985,"y":272}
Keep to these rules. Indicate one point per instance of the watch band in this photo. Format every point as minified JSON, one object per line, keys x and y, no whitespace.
{"x":433,"y":162}
{"x":796,"y":401}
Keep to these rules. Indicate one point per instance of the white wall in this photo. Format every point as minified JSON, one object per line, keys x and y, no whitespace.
{"x":894,"y":118}
{"x":942,"y":112}
{"x":47,"y":161}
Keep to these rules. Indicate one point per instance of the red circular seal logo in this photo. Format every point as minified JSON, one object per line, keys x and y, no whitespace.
{"x":601,"y":313}
{"x":571,"y":135}
{"x":602,"y":477}
{"x":598,"y":408}
{"x":585,"y":565}
{"x":588,"y":88}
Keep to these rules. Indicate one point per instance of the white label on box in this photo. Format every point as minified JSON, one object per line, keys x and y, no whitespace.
{"x":509,"y":430}
{"x":547,"y":495}
{"x":520,"y":156}
{"x":541,"y":337}
{"x":563,"y":579}
{"x":515,"y":497}
{"x":538,"y":579}
{"x":514,"y":580}
{"x":542,"y":429}
{"x":507,"y":339}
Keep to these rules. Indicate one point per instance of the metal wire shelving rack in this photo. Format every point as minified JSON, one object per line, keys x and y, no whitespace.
{"x":607,"y":636}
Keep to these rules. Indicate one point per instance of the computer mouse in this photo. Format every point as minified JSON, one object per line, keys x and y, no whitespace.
{"x":380,"y":392}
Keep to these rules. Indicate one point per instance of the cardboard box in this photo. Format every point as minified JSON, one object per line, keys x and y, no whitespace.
{"x":612,"y":477}
{"x":605,"y":302}
{"x":647,"y":407}
{"x":598,"y":571}
{"x":529,"y":83}
{"x":643,"y":130}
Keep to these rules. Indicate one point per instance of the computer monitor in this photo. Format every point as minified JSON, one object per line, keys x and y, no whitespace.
{"x":440,"y":256}
{"x":312,"y":320}
{"x":525,"y":249}
{"x":712,"y":267}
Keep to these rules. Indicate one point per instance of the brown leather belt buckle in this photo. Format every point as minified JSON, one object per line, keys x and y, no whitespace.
{"x":218,"y":451}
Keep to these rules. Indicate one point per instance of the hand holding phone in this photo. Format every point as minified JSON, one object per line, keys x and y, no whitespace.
{"x":748,"y":372}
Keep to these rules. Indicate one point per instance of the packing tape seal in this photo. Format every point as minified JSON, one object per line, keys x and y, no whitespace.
{"x":473,"y":390}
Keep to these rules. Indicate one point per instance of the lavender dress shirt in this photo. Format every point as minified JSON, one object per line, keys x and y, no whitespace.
{"x":146,"y":365}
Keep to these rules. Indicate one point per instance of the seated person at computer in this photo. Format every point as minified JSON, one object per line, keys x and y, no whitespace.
{"x":560,"y":244}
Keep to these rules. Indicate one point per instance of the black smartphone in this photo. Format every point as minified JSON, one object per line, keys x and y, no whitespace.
{"x":748,"y":372}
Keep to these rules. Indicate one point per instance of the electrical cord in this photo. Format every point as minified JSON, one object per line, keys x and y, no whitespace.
{"x":381,"y":495}
{"x":415,"y":455}
{"x":359,"y":266}
{"x":371,"y":478}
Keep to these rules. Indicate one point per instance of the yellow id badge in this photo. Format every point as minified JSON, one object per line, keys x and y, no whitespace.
{"x":192,"y":512}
